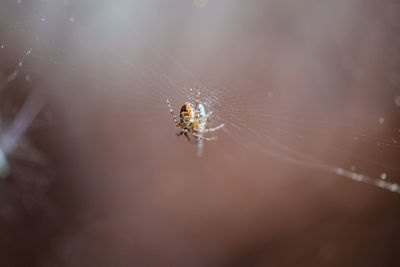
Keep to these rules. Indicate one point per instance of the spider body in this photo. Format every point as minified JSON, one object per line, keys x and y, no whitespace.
{"x":192,"y":120}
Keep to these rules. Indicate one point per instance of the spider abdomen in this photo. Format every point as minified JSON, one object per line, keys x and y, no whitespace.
{"x":187,"y":114}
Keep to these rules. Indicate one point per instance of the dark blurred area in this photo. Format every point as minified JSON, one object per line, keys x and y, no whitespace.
{"x":102,"y":180}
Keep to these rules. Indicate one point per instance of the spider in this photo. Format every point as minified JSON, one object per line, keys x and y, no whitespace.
{"x":193,"y":119}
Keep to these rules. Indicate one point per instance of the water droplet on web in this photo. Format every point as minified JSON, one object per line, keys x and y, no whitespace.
{"x":20,"y":64}
{"x":397,"y":100}
{"x":12,"y":76}
{"x":19,"y":1}
{"x":27,"y":78}
{"x":394,"y":187}
{"x":1,"y":46}
{"x":71,"y":19}
{"x":43,"y":19}
{"x":270,"y":94}
{"x":381,"y":120}
{"x":383,"y":176}
{"x":340,"y":171}
{"x":381,"y":184}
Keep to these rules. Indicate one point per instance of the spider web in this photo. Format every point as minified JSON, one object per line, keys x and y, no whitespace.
{"x":112,"y":58}
{"x":310,"y":105}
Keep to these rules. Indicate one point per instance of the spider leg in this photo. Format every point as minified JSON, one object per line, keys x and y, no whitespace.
{"x":184,"y":133}
{"x":203,"y":138}
{"x":172,"y":112}
{"x":187,"y":136}
{"x":197,"y":102}
{"x":211,"y":129}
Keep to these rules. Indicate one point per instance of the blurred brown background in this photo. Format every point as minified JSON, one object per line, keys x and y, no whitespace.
{"x":119,"y":189}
